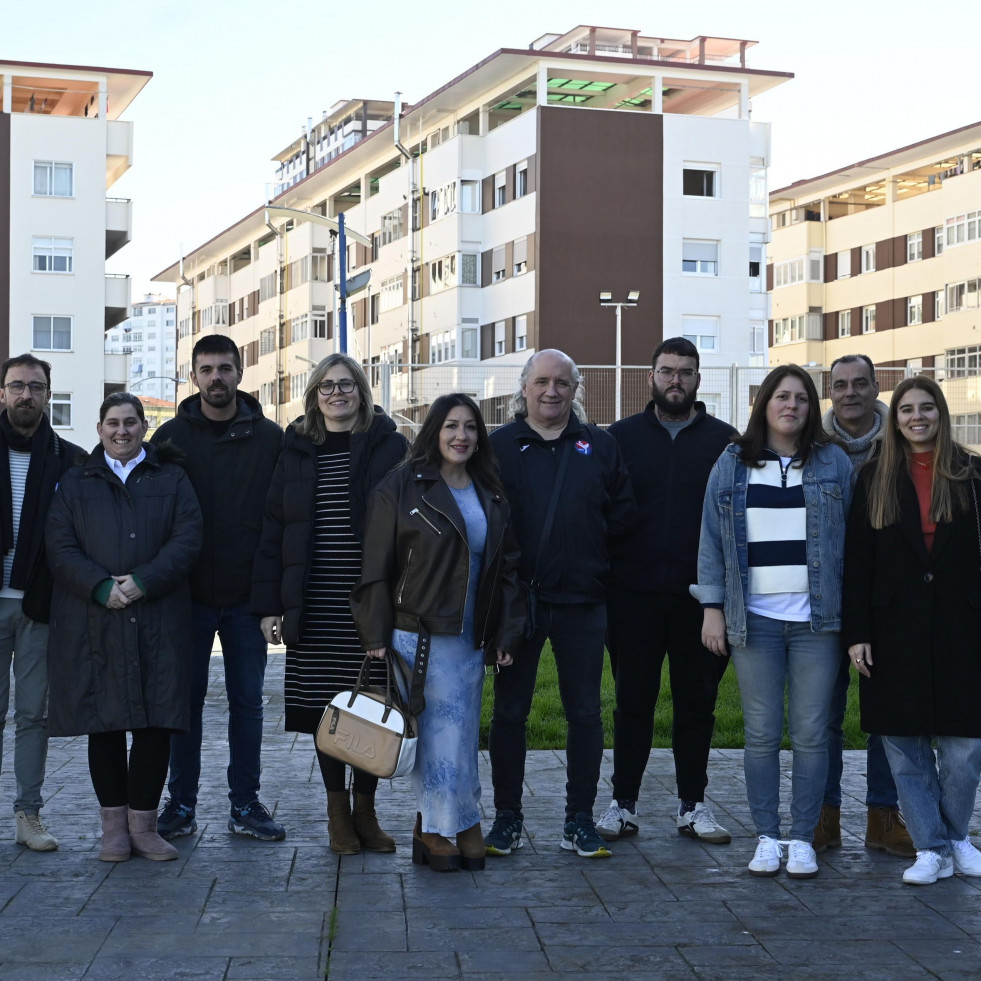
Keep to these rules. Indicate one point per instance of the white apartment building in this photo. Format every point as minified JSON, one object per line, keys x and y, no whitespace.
{"x":149,"y":338}
{"x":883,"y":257}
{"x":495,"y":210}
{"x":62,"y":145}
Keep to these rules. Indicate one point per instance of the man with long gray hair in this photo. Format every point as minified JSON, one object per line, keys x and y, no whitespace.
{"x":569,"y":492}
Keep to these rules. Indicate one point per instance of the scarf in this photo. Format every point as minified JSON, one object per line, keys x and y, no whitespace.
{"x":858,"y":448}
{"x":30,"y":515}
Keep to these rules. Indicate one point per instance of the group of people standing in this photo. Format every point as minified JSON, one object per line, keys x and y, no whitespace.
{"x":668,"y":535}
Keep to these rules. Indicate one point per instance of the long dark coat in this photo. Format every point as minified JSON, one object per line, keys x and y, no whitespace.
{"x":921,"y":612}
{"x":121,"y":669}
{"x":281,"y":567}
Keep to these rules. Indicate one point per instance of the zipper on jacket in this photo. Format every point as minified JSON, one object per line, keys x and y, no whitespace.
{"x":419,"y":513}
{"x":405,"y":578}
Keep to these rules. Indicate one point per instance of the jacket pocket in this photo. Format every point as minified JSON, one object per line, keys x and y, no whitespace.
{"x":404,"y":579}
{"x":416,"y":513}
{"x":832,"y":502}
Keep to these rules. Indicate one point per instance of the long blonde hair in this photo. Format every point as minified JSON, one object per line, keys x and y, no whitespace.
{"x":951,"y":463}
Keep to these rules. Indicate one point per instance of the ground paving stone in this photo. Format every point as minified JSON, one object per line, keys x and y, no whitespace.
{"x":664,"y":907}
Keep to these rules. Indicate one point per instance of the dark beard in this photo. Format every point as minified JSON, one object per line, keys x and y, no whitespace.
{"x":672,"y":408}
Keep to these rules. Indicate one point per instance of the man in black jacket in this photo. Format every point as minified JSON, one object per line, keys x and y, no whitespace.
{"x":230,"y":452}
{"x":669,"y":449}
{"x":569,"y":492}
{"x":35,"y":458}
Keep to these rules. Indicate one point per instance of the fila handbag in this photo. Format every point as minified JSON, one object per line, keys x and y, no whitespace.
{"x":370,"y":727}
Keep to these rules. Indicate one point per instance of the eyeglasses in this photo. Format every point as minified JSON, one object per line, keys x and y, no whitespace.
{"x":345,"y":386}
{"x":666,"y":374}
{"x":17,"y":388}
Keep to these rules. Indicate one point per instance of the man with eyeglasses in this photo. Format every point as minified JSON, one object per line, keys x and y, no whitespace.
{"x":670,"y":449}
{"x":230,"y":453}
{"x":857,"y":419}
{"x":36,"y":458}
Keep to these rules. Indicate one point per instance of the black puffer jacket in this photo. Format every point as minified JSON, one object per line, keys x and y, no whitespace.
{"x":282,"y":561}
{"x":230,"y":475}
{"x":416,"y":565}
{"x":129,"y":668}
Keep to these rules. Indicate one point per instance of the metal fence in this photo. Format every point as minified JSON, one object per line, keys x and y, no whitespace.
{"x":728,"y":393}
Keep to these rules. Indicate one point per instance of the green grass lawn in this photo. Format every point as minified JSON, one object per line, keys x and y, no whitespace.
{"x":546,"y":725}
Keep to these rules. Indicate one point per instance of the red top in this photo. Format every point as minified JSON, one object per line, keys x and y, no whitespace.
{"x":921,"y":470}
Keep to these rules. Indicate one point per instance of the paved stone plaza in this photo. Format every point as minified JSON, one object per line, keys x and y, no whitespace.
{"x":662,"y":907}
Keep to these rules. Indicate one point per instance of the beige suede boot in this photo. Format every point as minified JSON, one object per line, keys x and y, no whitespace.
{"x":144,"y":839}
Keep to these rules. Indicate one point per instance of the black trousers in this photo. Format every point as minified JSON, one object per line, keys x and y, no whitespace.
{"x":641,"y":628}
{"x":137,"y":784}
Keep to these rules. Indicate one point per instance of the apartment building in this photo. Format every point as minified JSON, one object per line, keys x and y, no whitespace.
{"x":149,"y":339}
{"x":62,"y":146}
{"x":493,"y":212}
{"x":883,"y":257}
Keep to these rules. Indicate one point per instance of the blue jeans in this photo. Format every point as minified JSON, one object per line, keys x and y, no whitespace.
{"x":936,"y":794}
{"x":577,"y":632}
{"x":781,"y":655}
{"x":244,"y":651}
{"x":880,"y":787}
{"x":26,"y":644}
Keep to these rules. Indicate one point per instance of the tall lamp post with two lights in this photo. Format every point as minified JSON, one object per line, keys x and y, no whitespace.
{"x":606,"y":300}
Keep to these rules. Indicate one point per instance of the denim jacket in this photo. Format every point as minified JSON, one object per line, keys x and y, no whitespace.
{"x":723,"y":567}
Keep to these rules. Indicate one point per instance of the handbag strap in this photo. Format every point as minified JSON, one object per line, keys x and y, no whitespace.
{"x":550,"y":513}
{"x":417,"y":701}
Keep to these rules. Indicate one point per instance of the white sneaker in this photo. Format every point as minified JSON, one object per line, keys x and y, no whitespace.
{"x":35,"y":835}
{"x":617,"y":822}
{"x":701,"y":824}
{"x":929,"y":867}
{"x":766,"y":861}
{"x":801,"y":860}
{"x":967,"y":859}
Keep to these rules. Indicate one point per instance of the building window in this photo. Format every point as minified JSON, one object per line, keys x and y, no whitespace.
{"x":914,"y":309}
{"x":53,"y":255}
{"x":703,"y":332}
{"x":470,"y":197}
{"x":521,"y":333}
{"x":442,"y":346}
{"x":700,"y":258}
{"x":757,"y":341}
{"x":963,"y":362}
{"x":468,"y":269}
{"x":392,"y":294}
{"x":914,"y":246}
{"x":61,"y":410}
{"x":787,"y":273}
{"x":500,"y":189}
{"x":499,"y":338}
{"x":319,"y":322}
{"x":787,"y":330}
{"x":267,"y":287}
{"x":520,"y":255}
{"x":844,"y":264}
{"x":700,"y":182}
{"x":756,"y":269}
{"x":868,"y":319}
{"x":938,"y":240}
{"x":868,"y":258}
{"x":468,"y":343}
{"x":52,"y":334}
{"x":267,"y":341}
{"x":757,"y":188}
{"x":939,"y":307}
{"x":521,"y":180}
{"x":497,"y":266}
{"x":845,"y":323}
{"x":392,"y":226}
{"x":54,"y":179}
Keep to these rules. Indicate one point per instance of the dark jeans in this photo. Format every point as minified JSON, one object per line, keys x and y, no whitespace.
{"x":244,"y":651}
{"x":576,"y":631}
{"x":880,"y":786}
{"x":641,"y":628}
{"x":137,"y":784}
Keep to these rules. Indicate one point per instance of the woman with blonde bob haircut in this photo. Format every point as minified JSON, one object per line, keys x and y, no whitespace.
{"x":309,"y":557}
{"x":912,"y":623}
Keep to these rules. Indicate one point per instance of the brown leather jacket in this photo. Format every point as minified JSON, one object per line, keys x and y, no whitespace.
{"x":416,"y":565}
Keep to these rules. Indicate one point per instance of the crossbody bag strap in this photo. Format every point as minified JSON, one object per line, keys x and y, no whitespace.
{"x":550,"y":513}
{"x":417,"y":700}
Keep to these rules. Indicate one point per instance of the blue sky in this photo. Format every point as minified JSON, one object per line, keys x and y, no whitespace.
{"x":234,"y":82}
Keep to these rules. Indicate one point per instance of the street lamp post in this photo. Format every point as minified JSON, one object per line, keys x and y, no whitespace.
{"x":606,"y":300}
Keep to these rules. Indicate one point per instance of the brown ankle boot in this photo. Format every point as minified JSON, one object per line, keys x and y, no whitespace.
{"x":439,"y":853}
{"x":827,"y":834}
{"x":366,"y":826}
{"x":886,"y":832}
{"x":340,"y":826}
{"x":472,"y":850}
{"x":143,"y":837}
{"x":115,"y":845}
